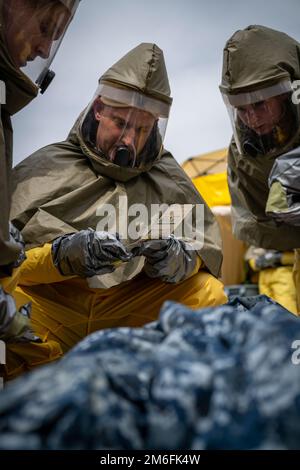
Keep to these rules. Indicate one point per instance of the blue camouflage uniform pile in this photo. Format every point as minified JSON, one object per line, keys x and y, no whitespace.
{"x":219,"y":378}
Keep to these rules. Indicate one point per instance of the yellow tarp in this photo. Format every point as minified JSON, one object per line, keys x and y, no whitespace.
{"x":214,"y":189}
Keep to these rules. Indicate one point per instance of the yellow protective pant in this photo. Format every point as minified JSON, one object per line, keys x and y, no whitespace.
{"x":65,"y":310}
{"x":36,"y":354}
{"x":278,"y":284}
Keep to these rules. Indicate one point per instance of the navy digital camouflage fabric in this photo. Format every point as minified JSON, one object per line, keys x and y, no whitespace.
{"x":217,"y":378}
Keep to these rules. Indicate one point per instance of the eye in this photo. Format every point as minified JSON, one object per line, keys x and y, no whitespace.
{"x":48,"y":30}
{"x":258,"y":104}
{"x":44,"y":28}
{"x":120,"y":123}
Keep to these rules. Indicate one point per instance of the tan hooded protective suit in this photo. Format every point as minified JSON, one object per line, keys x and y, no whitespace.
{"x":18,"y":91}
{"x":58,"y":190}
{"x":254,"y":58}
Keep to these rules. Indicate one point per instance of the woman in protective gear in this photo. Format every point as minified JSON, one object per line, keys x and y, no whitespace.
{"x":259,"y":69}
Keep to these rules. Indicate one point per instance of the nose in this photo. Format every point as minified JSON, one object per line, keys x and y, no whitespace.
{"x":44,"y":47}
{"x":129,"y":137}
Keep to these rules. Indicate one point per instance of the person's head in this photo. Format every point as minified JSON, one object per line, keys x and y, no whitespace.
{"x":34,"y":29}
{"x":264,"y":115}
{"x":258,"y":68}
{"x":123,"y":124}
{"x":122,"y":132}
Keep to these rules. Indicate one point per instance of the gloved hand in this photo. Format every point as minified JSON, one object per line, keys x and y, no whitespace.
{"x":15,"y":237}
{"x":167,"y":259}
{"x":88,"y":253}
{"x":268,"y":260}
{"x":14,"y":324}
{"x":17,"y":245}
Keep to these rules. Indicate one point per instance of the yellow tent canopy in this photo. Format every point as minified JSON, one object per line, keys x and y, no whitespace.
{"x":208,"y":173}
{"x":206,"y":164}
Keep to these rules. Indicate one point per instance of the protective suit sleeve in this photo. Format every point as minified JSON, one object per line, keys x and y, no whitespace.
{"x":283,"y":198}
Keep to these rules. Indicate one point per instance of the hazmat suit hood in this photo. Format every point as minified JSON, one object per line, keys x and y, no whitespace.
{"x":142,"y":69}
{"x":142,"y":76}
{"x":254,"y":59}
{"x":64,"y":187}
{"x":257,"y":56}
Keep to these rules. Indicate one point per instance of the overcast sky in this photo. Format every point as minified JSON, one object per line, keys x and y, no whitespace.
{"x":192,"y":34}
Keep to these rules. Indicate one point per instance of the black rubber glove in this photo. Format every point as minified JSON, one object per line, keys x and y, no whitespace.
{"x":167,"y":259}
{"x":16,"y":237}
{"x":269,"y":260}
{"x":14,"y":324}
{"x":88,"y":253}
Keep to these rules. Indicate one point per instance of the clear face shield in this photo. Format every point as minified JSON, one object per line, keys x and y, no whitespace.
{"x":124,"y":126}
{"x":264,"y":121}
{"x":33,"y":34}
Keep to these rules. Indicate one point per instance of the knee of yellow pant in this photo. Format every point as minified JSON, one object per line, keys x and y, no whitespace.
{"x":204,"y":290}
{"x":22,"y":357}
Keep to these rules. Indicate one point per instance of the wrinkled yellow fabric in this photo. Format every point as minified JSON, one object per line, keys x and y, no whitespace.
{"x":278,"y":283}
{"x":65,"y":310}
{"x":22,"y":357}
{"x":36,"y":354}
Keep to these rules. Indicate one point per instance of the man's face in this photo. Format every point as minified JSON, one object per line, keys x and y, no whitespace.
{"x":262,"y":116}
{"x":129,"y":127}
{"x":30,"y":31}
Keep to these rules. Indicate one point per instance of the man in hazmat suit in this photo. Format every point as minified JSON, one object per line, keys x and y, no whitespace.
{"x":259,"y":68}
{"x":90,"y":264}
{"x":30,"y":34}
